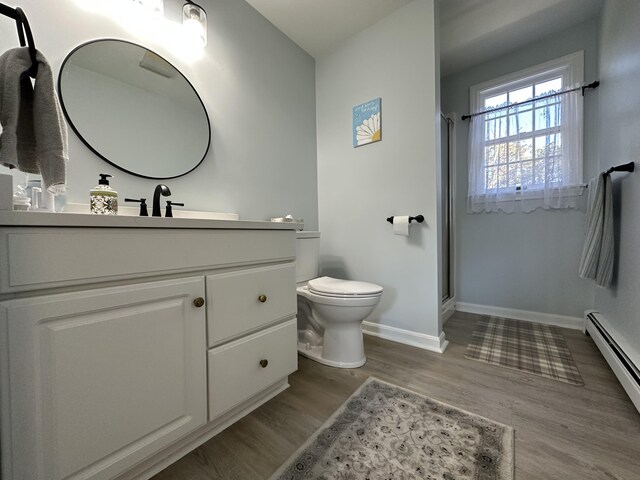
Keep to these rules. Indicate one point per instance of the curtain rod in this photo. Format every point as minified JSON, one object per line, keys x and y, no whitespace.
{"x":595,"y":84}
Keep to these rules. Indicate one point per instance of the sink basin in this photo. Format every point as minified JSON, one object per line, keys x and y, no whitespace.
{"x":127,"y":211}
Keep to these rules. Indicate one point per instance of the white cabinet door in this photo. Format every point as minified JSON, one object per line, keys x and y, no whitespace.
{"x":99,"y":380}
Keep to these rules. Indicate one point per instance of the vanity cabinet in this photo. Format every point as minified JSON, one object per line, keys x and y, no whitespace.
{"x":113,"y":370}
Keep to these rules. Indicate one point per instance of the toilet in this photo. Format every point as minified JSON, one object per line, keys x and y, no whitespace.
{"x":330,"y":310}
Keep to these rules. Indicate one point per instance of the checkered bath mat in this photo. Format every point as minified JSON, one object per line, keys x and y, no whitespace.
{"x":526,"y":346}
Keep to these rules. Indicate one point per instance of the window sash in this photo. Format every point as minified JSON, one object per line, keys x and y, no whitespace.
{"x":524,"y":136}
{"x":570,"y":70}
{"x":519,"y":80}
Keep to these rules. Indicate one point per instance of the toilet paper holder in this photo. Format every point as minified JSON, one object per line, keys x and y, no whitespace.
{"x":417,"y":218}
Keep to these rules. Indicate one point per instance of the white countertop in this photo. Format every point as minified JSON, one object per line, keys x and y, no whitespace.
{"x":44,"y":219}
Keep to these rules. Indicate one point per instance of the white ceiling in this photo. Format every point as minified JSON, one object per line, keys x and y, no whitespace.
{"x":474,"y":31}
{"x":471,"y":31}
{"x":318,"y":26}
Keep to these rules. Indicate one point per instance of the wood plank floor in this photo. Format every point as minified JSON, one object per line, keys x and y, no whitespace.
{"x":562,"y":431}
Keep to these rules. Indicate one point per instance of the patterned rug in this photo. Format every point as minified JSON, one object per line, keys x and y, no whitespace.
{"x":386,"y":432}
{"x":526,"y":346}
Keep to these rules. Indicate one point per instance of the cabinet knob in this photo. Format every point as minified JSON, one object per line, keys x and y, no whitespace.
{"x":264,"y":363}
{"x":198,"y":302}
{"x":262,"y":298}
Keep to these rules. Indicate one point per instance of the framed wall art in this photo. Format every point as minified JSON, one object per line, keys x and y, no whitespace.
{"x":367,"y":122}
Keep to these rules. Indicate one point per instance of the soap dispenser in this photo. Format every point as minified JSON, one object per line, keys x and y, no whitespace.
{"x":104,"y":199}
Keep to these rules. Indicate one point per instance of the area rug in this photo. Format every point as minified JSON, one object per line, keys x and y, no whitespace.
{"x":526,"y":346}
{"x":386,"y":432}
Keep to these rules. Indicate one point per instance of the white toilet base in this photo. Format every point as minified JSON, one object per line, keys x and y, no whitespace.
{"x":315,"y":353}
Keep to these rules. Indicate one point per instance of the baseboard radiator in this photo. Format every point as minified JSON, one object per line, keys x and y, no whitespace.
{"x":627,"y":372}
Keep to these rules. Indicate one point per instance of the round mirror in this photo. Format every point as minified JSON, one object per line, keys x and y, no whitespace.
{"x":134,"y":109}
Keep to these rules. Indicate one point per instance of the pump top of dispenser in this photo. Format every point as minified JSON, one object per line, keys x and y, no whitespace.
{"x":103,"y":179}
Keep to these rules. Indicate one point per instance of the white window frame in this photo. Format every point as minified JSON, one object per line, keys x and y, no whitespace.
{"x":569,"y":67}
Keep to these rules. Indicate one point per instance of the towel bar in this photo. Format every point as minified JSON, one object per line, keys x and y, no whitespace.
{"x":626,"y":167}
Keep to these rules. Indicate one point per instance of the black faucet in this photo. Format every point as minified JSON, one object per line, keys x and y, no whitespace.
{"x":160,"y":189}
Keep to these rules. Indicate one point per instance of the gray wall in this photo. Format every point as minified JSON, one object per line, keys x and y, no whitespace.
{"x":525,"y":261}
{"x":619,"y":142}
{"x":259,"y":90}
{"x":359,"y":188}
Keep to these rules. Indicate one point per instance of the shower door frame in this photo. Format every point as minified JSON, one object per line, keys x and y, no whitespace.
{"x":448,"y":302}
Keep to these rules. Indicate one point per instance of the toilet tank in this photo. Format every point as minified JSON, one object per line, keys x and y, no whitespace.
{"x":307,"y":255}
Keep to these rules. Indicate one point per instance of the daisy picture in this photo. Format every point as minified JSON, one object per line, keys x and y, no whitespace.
{"x":367,"y":123}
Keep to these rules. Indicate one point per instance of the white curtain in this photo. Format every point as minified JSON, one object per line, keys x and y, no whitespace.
{"x":528,"y":154}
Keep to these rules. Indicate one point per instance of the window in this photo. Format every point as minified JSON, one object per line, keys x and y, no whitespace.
{"x":527,"y":145}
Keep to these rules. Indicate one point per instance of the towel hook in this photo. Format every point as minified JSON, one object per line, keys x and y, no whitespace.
{"x":30,"y":42}
{"x":23,"y":27}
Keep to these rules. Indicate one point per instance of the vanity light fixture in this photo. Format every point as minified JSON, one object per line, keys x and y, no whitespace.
{"x":194,"y":21}
{"x":145,"y":19}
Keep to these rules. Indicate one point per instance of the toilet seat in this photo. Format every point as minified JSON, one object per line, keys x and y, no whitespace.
{"x":337,"y":288}
{"x":337,"y":300}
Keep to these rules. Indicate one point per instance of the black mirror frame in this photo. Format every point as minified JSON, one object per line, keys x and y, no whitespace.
{"x":88,"y":145}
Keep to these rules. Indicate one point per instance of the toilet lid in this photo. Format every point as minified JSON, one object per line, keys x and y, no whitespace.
{"x":335,"y":286}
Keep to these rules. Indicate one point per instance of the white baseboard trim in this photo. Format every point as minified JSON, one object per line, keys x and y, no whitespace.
{"x":448,"y":309}
{"x":575,"y":323}
{"x":415,"y":339}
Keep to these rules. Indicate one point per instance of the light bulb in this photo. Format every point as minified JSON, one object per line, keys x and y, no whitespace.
{"x":194,"y":22}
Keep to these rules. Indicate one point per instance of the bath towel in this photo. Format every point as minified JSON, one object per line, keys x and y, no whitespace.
{"x":34,"y":134}
{"x":598,"y":250}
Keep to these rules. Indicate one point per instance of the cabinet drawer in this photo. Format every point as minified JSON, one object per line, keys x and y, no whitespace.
{"x":234,"y":303}
{"x":236,"y":372}
{"x":35,"y":258}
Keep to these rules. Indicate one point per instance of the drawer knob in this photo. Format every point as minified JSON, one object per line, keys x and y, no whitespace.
{"x":264,"y":363}
{"x":262,"y":298}
{"x":198,"y":302}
